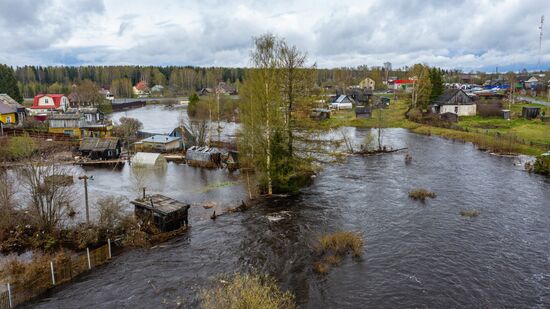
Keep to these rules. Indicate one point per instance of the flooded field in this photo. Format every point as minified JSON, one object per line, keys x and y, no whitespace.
{"x":150,"y":115}
{"x":415,"y":254}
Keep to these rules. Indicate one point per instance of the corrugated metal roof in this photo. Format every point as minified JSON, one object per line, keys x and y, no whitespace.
{"x":161,"y":139}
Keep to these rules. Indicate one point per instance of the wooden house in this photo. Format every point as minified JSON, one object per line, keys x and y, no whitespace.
{"x":44,"y":103}
{"x":455,"y":101}
{"x":11,"y":112}
{"x":68,"y":124}
{"x":367,"y":83}
{"x":165,"y":213}
{"x":100,"y":148}
{"x":342,"y":102}
{"x":159,"y":143}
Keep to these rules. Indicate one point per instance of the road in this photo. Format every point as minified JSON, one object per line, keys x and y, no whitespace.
{"x":532,"y":100}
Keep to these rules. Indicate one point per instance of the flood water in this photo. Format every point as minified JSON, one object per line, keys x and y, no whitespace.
{"x":415,"y":255}
{"x":170,"y":118}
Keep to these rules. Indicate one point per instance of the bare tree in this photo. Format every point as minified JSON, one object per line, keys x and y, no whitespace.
{"x":197,"y":130}
{"x":49,"y":195}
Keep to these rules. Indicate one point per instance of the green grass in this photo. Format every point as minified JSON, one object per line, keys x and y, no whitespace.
{"x":393,"y":117}
{"x":218,"y":185}
{"x":496,"y":134}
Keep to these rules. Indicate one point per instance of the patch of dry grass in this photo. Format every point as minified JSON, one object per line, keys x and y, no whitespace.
{"x":247,"y":291}
{"x":340,"y":243}
{"x":469,"y":213}
{"x":421,"y":194}
{"x":321,"y":267}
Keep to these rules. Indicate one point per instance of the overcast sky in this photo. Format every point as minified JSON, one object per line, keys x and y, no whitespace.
{"x":468,"y":35}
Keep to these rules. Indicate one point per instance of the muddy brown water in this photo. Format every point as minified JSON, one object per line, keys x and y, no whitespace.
{"x":416,"y":255}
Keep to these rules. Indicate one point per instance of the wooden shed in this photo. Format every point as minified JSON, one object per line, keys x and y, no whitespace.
{"x":100,"y":148}
{"x":530,"y":112}
{"x":363,"y":112}
{"x":165,"y":213}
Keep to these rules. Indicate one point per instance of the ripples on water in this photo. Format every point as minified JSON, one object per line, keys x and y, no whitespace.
{"x":416,"y":255}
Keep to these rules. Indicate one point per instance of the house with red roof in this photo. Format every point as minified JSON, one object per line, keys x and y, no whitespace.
{"x":44,"y":103}
{"x":402,"y":84}
{"x":141,"y":89}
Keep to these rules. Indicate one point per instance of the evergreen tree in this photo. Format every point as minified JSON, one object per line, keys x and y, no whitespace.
{"x":437,"y":84}
{"x":8,"y":83}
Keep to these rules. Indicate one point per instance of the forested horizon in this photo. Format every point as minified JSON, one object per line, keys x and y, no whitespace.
{"x":181,"y":80}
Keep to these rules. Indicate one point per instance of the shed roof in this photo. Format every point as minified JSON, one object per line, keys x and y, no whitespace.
{"x":161,"y":139}
{"x":9,"y":100}
{"x":6,"y":108}
{"x":98,"y":144}
{"x":160,"y":203}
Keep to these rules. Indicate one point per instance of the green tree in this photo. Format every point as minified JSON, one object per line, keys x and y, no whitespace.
{"x":8,"y":83}
{"x":437,"y":84}
{"x":262,"y":115}
{"x":423,"y":86}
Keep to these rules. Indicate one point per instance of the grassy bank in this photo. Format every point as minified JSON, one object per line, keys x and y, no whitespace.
{"x":530,"y":137}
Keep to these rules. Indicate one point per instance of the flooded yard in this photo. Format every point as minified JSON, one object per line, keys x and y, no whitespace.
{"x":415,"y":255}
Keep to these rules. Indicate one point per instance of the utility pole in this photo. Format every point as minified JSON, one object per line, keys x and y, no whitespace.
{"x":85,"y":178}
{"x":540,"y":38}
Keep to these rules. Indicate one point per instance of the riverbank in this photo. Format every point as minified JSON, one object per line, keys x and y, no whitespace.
{"x":517,"y":136}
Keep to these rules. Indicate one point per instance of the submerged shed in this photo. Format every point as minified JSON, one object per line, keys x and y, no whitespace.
{"x":100,"y":148}
{"x":203,"y":156}
{"x":166,"y":213}
{"x":148,"y":159}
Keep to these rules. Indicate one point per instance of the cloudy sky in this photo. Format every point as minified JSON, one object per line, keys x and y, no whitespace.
{"x":462,"y":34}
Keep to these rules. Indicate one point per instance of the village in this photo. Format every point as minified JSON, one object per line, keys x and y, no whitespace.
{"x":269,"y":169}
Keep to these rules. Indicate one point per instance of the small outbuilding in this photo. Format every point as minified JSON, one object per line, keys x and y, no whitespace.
{"x":208,"y":157}
{"x":100,"y":148}
{"x":165,"y":213}
{"x":530,"y":112}
{"x":363,"y":112}
{"x":319,"y":114}
{"x":148,"y":159}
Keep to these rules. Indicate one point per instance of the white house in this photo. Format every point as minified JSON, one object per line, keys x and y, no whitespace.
{"x":342,"y":102}
{"x":367,"y":83}
{"x":455,"y":101}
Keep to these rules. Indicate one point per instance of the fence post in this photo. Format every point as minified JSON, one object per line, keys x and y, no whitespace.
{"x":109,"y":244}
{"x":9,"y":296}
{"x":89,"y":262}
{"x":53,"y":274}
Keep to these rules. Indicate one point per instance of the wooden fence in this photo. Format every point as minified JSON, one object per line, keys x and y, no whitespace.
{"x":40,"y":134}
{"x":59,"y":271}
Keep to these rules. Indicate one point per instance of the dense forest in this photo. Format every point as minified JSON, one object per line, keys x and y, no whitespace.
{"x":176,"y":80}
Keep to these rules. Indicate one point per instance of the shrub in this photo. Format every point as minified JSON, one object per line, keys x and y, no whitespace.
{"x":421,"y":194}
{"x":21,"y":147}
{"x":340,"y":243}
{"x":492,"y":108}
{"x":469,"y":213}
{"x":542,"y":165}
{"x":247,"y":291}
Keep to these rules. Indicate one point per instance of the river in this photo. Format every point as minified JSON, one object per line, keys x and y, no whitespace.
{"x":415,"y":254}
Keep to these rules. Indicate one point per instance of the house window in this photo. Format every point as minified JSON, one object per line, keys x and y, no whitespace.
{"x":68,"y":132}
{"x":8,"y":119}
{"x":46,"y":101}
{"x":456,"y":109}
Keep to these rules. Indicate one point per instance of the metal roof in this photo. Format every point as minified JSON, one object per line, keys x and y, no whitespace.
{"x":161,"y":139}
